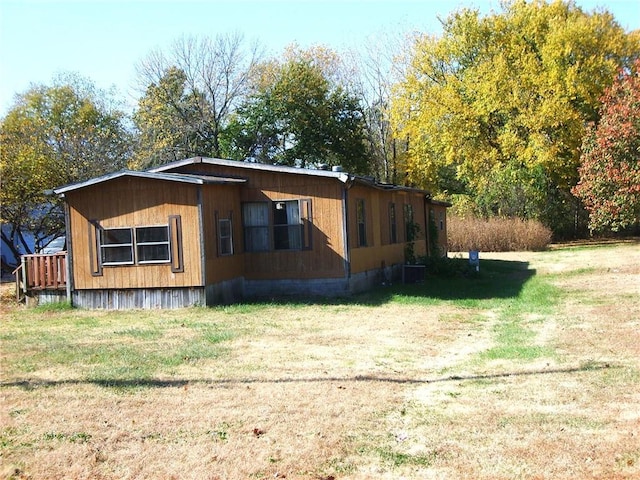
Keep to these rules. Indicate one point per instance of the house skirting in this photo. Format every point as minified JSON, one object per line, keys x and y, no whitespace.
{"x":233,"y":291}
{"x":325,"y":287}
{"x":147,"y":298}
{"x":44,"y":297}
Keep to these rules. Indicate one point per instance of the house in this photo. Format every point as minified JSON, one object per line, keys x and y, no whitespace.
{"x":205,"y":231}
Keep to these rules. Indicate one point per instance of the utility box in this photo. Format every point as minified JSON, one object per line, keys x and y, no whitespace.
{"x":413,"y":273}
{"x":474,"y":259}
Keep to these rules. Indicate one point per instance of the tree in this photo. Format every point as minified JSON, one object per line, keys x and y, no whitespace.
{"x":52,"y":136}
{"x":189,"y":95}
{"x":299,"y":115}
{"x":511,"y":89}
{"x":375,"y":67}
{"x":609,"y":182}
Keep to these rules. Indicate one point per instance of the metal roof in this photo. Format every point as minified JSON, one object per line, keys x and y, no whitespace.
{"x":165,"y":173}
{"x":170,"y":177}
{"x":341,"y":176}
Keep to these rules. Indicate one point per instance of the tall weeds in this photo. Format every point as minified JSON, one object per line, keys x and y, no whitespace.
{"x":496,"y":234}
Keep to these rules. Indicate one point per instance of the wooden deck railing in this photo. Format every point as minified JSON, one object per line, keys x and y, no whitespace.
{"x":42,"y":272}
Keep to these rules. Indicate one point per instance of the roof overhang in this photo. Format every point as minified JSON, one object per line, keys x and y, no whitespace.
{"x":167,"y":177}
{"x":342,"y":176}
{"x":167,"y":173}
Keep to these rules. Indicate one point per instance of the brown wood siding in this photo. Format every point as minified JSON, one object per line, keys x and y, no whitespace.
{"x":325,"y":259}
{"x":222,"y":202}
{"x":134,"y":202}
{"x":440,"y":222}
{"x":379,"y":252}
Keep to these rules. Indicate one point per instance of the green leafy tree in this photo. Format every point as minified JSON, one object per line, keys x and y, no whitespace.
{"x":610,"y":172}
{"x":166,"y":120}
{"x":189,"y":95}
{"x":512,"y":90}
{"x":298,"y":115}
{"x":54,"y":135}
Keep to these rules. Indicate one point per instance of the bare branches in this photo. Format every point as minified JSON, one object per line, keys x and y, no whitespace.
{"x":211,"y":77}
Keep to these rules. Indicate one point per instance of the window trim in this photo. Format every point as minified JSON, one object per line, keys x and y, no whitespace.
{"x":175,"y":244}
{"x":95,"y":254}
{"x":409,"y":216}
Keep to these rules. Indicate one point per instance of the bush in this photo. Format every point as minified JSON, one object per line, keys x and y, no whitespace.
{"x":496,"y":234}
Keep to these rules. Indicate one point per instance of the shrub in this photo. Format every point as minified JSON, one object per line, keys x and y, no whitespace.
{"x":496,"y":234}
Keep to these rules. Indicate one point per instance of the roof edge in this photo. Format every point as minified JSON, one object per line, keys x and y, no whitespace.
{"x":171,"y":177}
{"x":342,"y":176}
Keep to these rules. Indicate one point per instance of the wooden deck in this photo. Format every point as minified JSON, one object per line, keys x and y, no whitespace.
{"x":38,"y":272}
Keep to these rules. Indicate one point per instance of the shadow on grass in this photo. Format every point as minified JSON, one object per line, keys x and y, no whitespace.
{"x":497,"y":279}
{"x":138,"y":383}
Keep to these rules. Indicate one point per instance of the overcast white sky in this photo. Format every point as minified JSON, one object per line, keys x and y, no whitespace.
{"x":103,"y":40}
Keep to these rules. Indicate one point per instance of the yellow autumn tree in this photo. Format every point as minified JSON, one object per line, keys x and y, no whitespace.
{"x":496,"y":106}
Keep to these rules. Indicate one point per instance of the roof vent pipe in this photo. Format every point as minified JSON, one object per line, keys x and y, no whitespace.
{"x":336,"y":168}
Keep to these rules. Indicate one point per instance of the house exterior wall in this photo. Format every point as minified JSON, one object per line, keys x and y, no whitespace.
{"x":380,"y":251}
{"x":350,"y":243}
{"x":325,"y":256}
{"x":133,"y":202}
{"x":438,"y":213}
{"x":221,"y":202}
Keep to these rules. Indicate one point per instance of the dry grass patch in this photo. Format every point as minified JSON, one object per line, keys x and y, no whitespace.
{"x":458,"y":378}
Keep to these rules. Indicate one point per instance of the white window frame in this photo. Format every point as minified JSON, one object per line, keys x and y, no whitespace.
{"x":104,"y":247}
{"x":153,"y":243}
{"x":133,"y":246}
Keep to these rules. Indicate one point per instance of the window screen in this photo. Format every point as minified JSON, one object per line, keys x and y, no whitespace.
{"x":116,"y":246}
{"x":152,"y":244}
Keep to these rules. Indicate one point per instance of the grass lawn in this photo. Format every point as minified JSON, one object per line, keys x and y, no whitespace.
{"x":529,"y":369}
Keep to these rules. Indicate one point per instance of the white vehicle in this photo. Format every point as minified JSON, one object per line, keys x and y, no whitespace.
{"x":56,"y":245}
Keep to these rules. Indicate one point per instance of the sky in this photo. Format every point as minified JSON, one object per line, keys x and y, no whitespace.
{"x":104,"y":40}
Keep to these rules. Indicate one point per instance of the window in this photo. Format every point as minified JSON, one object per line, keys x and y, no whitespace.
{"x":393,"y":230}
{"x":255,"y":219}
{"x":225,"y":239}
{"x":287,"y":227}
{"x":278,"y":225}
{"x":152,"y":244}
{"x":360,"y":220}
{"x":116,"y":246}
